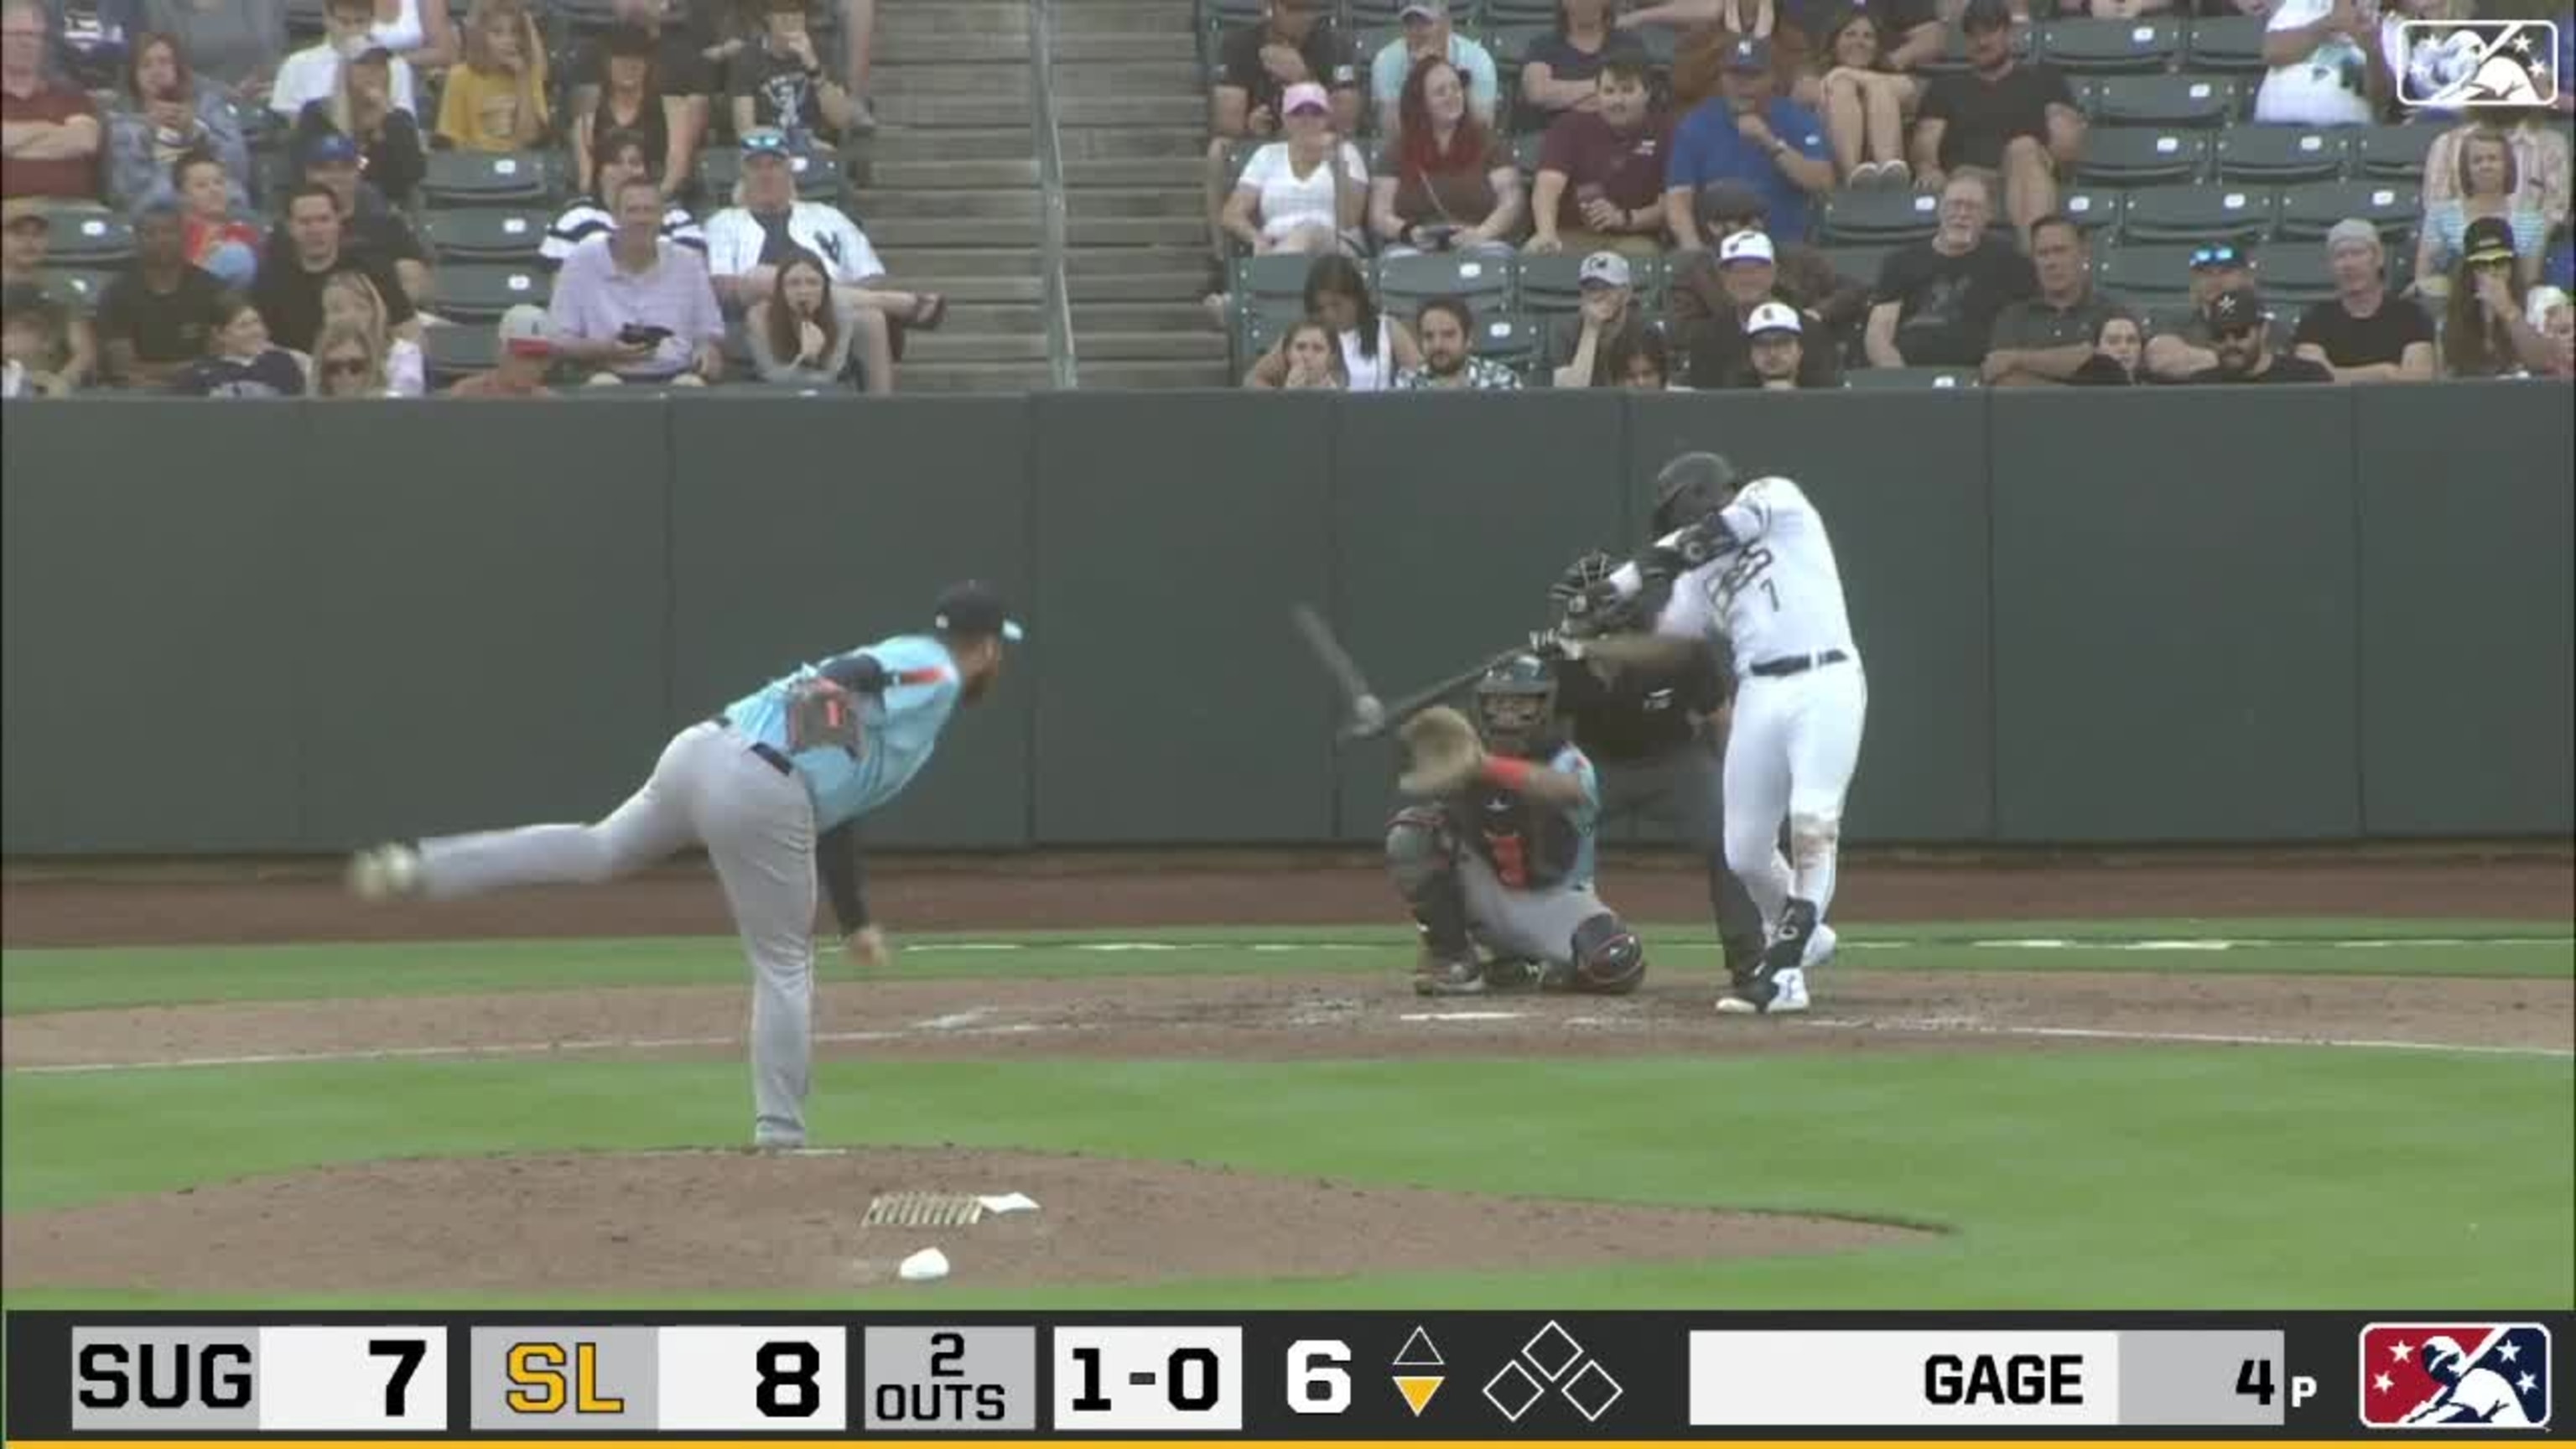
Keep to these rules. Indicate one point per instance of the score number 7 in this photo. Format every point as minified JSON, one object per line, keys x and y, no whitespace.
{"x":407,"y":1354}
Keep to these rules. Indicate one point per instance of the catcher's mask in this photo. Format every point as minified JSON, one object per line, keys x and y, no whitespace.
{"x":1691,"y":487}
{"x":1515,"y":702}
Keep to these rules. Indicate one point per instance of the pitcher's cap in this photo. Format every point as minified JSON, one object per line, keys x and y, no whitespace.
{"x":975,"y":608}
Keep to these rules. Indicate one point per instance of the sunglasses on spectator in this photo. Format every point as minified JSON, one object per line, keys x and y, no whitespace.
{"x":2217,"y":257}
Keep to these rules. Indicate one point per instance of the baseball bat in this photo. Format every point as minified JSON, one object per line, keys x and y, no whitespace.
{"x":1421,"y":699}
{"x":1366,"y":712}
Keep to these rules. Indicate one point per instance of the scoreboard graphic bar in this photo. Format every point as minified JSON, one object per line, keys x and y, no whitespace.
{"x":1487,"y":1377}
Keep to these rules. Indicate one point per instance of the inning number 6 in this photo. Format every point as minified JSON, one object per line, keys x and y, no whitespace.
{"x":1317,"y":1381}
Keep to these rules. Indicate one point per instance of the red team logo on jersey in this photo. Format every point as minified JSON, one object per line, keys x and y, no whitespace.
{"x":2455,"y":1376}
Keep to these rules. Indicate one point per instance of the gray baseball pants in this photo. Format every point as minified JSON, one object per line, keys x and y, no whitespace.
{"x":1683,"y":787}
{"x":757,"y":825}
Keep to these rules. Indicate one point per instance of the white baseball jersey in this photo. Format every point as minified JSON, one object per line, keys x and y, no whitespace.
{"x":1776,"y":595}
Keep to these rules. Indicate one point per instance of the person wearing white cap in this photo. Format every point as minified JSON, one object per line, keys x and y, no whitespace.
{"x":1428,"y":34}
{"x":2364,"y":333}
{"x":1576,"y":351}
{"x":527,"y":351}
{"x":1775,"y":346}
{"x":1306,"y":193}
{"x":1716,"y":331}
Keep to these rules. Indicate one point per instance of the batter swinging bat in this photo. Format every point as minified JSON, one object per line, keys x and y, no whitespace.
{"x":1368,"y":715}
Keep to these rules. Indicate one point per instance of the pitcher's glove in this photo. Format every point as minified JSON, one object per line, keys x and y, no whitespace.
{"x":1446,"y":753}
{"x":820,"y":713}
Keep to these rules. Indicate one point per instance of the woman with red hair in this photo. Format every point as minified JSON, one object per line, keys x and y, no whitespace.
{"x":1453,"y":187}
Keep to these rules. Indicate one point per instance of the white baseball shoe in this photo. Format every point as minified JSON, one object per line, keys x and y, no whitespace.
{"x":384,"y":872}
{"x":1820,"y":946}
{"x":1788,"y":995}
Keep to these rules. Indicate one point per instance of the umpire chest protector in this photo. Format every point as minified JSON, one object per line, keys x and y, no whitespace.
{"x":1638,"y":714}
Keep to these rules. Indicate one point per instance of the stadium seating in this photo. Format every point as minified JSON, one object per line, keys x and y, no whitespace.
{"x":2232,"y":44}
{"x":469,"y":292}
{"x":1861,"y":263}
{"x":2197,"y":213}
{"x":83,"y":287}
{"x":2278,"y":155}
{"x":2152,"y":275}
{"x":2308,"y":211}
{"x":1879,"y":216}
{"x":476,"y":178}
{"x":90,"y":237}
{"x":449,"y":353}
{"x":818,"y":175}
{"x":1483,"y":283}
{"x":2141,"y":157}
{"x":2394,"y":153}
{"x":1509,"y":340}
{"x":1890,"y":378}
{"x":1550,"y":285}
{"x":2093,"y":211}
{"x":2106,"y":47}
{"x":2162,"y":100}
{"x":484,"y":234}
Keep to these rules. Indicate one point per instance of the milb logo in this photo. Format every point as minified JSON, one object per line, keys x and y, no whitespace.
{"x":2455,"y":1376}
{"x":2469,"y":64}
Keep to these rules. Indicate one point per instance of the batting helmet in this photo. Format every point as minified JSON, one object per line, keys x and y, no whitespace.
{"x":1691,"y":487}
{"x":1515,"y":702}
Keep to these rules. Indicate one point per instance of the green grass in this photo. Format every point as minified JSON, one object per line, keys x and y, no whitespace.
{"x":61,"y":980}
{"x":2099,"y":1178}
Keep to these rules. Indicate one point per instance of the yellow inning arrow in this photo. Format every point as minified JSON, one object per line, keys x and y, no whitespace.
{"x":1418,"y":1389}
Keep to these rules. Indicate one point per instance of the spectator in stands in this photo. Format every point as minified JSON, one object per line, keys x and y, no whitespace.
{"x":1802,"y":276}
{"x":1937,"y":300}
{"x":1308,"y":193}
{"x":1867,"y":103}
{"x":1747,"y":134}
{"x":2362,"y":333}
{"x":2486,"y":332}
{"x":1454,"y":187}
{"x":527,"y":352}
{"x":639,"y":308}
{"x":346,"y":364}
{"x":631,"y":96}
{"x":241,"y":361}
{"x":31,"y":340}
{"x":361,"y":108}
{"x":2539,"y":144}
{"x":313,"y":73}
{"x":2045,"y":337}
{"x":1429,"y":36}
{"x":1775,"y":357}
{"x":1314,"y":358}
{"x":53,"y":130}
{"x":1295,"y":43}
{"x":216,"y":236}
{"x":1601,"y":171}
{"x":1714,"y":312}
{"x":2011,"y":120}
{"x":495,"y":100}
{"x":93,"y":39}
{"x":28,"y":239}
{"x":2117,"y":350}
{"x":159,"y":314}
{"x":350,"y":300}
{"x":165,"y":115}
{"x":1375,"y":347}
{"x":1642,"y":363}
{"x":2321,"y":74}
{"x":2238,"y":326}
{"x":1447,"y":330}
{"x":1575,"y":351}
{"x":417,"y":30}
{"x":2491,"y":190}
{"x":234,"y":44}
{"x":621,"y":156}
{"x":780,"y":83}
{"x":803,"y":331}
{"x":2558,"y":259}
{"x":747,"y":242}
{"x":2178,"y":354}
{"x":369,"y":226}
{"x":300,"y":262}
{"x":2555,"y":320}
{"x":1561,"y":71}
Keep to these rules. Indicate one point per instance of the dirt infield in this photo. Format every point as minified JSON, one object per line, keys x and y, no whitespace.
{"x":684,"y":1221}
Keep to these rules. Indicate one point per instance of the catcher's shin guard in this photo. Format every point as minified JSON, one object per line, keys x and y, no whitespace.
{"x":1609,"y":960}
{"x":1424,"y":863}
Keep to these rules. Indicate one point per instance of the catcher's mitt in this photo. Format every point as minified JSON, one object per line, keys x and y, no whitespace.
{"x":1446,"y":753}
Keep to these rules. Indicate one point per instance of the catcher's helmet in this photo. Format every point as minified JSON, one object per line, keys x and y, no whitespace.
{"x":1691,"y":487}
{"x":1515,"y":702}
{"x":1581,"y":575}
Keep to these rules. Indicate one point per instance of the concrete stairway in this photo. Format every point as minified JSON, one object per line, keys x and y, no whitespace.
{"x":1132,"y":121}
{"x":949,"y":191}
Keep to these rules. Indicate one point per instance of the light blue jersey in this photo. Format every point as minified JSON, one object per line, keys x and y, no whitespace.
{"x":897,"y":732}
{"x":1585,"y":817}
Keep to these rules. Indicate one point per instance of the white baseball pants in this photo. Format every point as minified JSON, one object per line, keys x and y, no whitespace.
{"x":1790,"y":754}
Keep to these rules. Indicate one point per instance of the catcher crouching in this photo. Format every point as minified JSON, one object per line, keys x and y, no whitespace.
{"x":1501,"y":853}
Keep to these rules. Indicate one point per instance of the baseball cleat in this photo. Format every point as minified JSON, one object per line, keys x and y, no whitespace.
{"x":1782,"y":994}
{"x":1515,"y":973}
{"x":1449,"y":976}
{"x":1820,"y":946}
{"x":384,"y":872}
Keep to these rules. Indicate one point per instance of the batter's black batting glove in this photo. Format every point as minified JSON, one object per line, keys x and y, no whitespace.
{"x":1553,"y":644}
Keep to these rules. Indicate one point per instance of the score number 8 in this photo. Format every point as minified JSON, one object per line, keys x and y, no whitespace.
{"x":1319,"y":1380}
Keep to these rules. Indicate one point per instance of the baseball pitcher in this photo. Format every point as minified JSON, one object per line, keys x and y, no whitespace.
{"x":1655,"y":735}
{"x":1751,"y":561}
{"x":1500,"y":855}
{"x":772,"y":788}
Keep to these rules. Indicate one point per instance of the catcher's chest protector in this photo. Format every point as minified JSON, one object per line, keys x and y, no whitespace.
{"x":1529,"y":845}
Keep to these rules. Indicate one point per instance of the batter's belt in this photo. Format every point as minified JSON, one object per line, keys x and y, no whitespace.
{"x":1788,"y":664}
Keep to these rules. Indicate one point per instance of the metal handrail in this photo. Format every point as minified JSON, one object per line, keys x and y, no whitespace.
{"x":1057,"y":296}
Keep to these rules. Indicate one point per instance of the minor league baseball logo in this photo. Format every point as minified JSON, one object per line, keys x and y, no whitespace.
{"x":2471,"y":64}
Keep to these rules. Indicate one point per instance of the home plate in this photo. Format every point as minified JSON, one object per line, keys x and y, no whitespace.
{"x":1462,"y":1016}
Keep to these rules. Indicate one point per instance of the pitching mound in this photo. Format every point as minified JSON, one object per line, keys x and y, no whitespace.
{"x":738,"y":1222}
